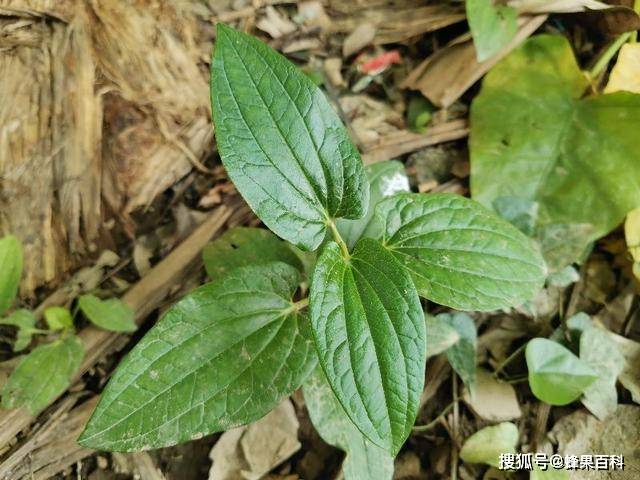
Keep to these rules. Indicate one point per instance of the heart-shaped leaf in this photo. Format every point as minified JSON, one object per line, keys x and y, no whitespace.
{"x":224,"y":355}
{"x":10,"y":270}
{"x":282,"y":144}
{"x":43,"y":374}
{"x":242,"y":246}
{"x":486,"y":445}
{"x":364,"y":459}
{"x":385,"y":179}
{"x":111,"y":314}
{"x":534,"y":135}
{"x":556,"y":375}
{"x":459,"y":253}
{"x":492,"y":26}
{"x":370,"y":336}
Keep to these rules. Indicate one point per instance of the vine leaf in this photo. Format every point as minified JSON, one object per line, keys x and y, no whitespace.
{"x":224,"y":355}
{"x":536,"y":136}
{"x":43,"y":374}
{"x":459,"y":253}
{"x":370,"y":336}
{"x":282,"y":144}
{"x":556,"y":375}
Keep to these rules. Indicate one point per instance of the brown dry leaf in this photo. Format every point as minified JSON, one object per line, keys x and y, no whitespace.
{"x":275,"y":23}
{"x":396,"y":21}
{"x":630,"y":376}
{"x":312,"y":14}
{"x":251,"y":451}
{"x":446,"y":75}
{"x":582,"y":434}
{"x":494,"y":401}
{"x":361,"y":37}
{"x":332,"y":69}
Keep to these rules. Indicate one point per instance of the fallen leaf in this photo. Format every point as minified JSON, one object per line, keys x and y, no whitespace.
{"x":312,"y":13}
{"x":600,"y":352}
{"x":494,"y":401}
{"x":486,"y":445}
{"x":251,"y":451}
{"x":275,"y":24}
{"x":358,"y":39}
{"x":581,"y":433}
{"x":332,"y":69}
{"x":625,"y":75}
{"x":440,"y":336}
{"x":452,"y":70}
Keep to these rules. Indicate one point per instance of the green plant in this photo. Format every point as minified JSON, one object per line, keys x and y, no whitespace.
{"x":228,"y":352}
{"x":45,"y":372}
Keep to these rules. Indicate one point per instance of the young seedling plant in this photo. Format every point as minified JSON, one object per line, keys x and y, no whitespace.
{"x":45,"y":372}
{"x":335,"y":306}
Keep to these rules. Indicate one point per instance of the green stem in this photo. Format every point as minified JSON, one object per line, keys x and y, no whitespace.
{"x":509,"y":359}
{"x":634,"y":35}
{"x":338,"y":238}
{"x":606,"y":57}
{"x":432,"y":423}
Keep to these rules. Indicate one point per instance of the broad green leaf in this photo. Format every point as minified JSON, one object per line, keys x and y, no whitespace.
{"x":556,"y":375}
{"x":440,"y":335}
{"x":242,"y":246}
{"x":492,"y":26}
{"x":281,"y":142}
{"x":369,"y":332}
{"x":601,"y":353}
{"x":534,"y":135}
{"x":10,"y":270}
{"x":385,"y":179}
{"x":58,"y":318}
{"x":486,"y":445}
{"x":111,"y":314}
{"x":462,"y":355}
{"x":25,"y":322}
{"x":43,"y":374}
{"x":562,"y":244}
{"x":224,"y":355}
{"x":522,"y":213}
{"x":459,"y":253}
{"x":364,"y":460}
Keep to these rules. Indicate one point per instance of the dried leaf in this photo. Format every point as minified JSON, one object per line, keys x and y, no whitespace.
{"x":625,"y":75}
{"x":361,"y":37}
{"x":494,"y":401}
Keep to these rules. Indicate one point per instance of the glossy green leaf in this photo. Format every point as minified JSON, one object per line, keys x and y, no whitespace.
{"x":369,"y":331}
{"x":10,"y":270}
{"x":385,"y":179}
{"x":224,"y":355}
{"x":25,"y":322}
{"x":462,"y":354}
{"x":58,"y":318}
{"x":242,"y":246}
{"x":486,"y":445}
{"x":111,"y":314}
{"x":556,"y":375}
{"x":534,"y":135}
{"x":364,"y":460}
{"x":281,"y":142}
{"x":492,"y":26}
{"x":43,"y":374}
{"x":459,"y":253}
{"x":440,"y":335}
{"x":601,"y":353}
